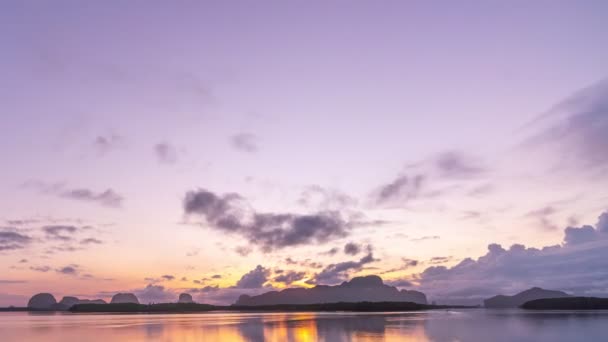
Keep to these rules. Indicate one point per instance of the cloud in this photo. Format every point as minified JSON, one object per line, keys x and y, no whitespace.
{"x":231,"y":214}
{"x":352,"y":248}
{"x":542,"y":217}
{"x":290,"y":277}
{"x":68,"y":270}
{"x":454,"y":164}
{"x":579,"y":266}
{"x":165,"y":153}
{"x":425,"y":238}
{"x":417,"y":182}
{"x":575,"y":129}
{"x":43,"y":269}
{"x":168,"y":277}
{"x":315,"y":196}
{"x":403,"y":188}
{"x":439,"y":260}
{"x":399,"y":283}
{"x":107,"y":198}
{"x":305,"y":263}
{"x":245,"y":142}
{"x":59,"y":232}
{"x":254,"y":279}
{"x":331,"y":252}
{"x":89,"y":241}
{"x":216,"y":276}
{"x":243,"y":250}
{"x":106,"y":144}
{"x":335,"y":273}
{"x":11,"y":239}
{"x":406,"y":264}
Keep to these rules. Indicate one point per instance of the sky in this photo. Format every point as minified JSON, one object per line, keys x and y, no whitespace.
{"x":229,"y":147}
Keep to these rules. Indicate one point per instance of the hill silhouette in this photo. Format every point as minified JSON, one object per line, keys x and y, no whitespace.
{"x":503,"y":302}
{"x":567,"y":303}
{"x":359,"y":289}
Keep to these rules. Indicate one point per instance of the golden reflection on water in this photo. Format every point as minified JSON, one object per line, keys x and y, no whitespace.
{"x":271,"y":327}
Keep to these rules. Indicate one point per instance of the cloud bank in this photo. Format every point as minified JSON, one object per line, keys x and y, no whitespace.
{"x":579,"y":266}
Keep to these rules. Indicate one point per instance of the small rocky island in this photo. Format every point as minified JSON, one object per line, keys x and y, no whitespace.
{"x":515,"y":301}
{"x":47,"y":302}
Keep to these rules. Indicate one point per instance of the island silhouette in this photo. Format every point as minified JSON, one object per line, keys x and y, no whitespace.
{"x":367,"y":293}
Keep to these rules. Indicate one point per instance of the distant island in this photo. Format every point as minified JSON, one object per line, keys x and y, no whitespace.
{"x":193,"y":307}
{"x":360,"y":294}
{"x":568,"y":303}
{"x":515,"y":301}
{"x":359,"y":289}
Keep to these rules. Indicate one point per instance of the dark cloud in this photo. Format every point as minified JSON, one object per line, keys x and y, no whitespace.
{"x":229,"y":213}
{"x":11,"y":239}
{"x":331,"y":252}
{"x":403,"y":188}
{"x":439,"y":260}
{"x":575,"y":129}
{"x":579,"y":266}
{"x":254,"y":279}
{"x":246,"y":142}
{"x":106,"y":144}
{"x":89,"y":241}
{"x":289,"y":277}
{"x":59,"y":232}
{"x":23,"y":261}
{"x":335,"y":273}
{"x":107,"y":198}
{"x":168,"y":277}
{"x":216,"y":276}
{"x":69,"y":270}
{"x":40,"y":268}
{"x":352,"y":248}
{"x":165,"y":153}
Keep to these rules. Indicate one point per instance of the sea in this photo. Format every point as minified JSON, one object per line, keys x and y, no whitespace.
{"x":434,"y":325}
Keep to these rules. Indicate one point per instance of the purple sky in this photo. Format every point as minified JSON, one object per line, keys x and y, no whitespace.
{"x":416,"y":130}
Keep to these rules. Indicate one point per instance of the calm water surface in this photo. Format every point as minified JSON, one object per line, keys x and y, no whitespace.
{"x":453,"y":325}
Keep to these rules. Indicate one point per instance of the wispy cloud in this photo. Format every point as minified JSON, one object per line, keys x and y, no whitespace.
{"x":165,"y":153}
{"x":245,"y":142}
{"x":11,"y":239}
{"x":107,"y":198}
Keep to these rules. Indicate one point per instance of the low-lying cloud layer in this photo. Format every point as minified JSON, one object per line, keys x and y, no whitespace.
{"x":579,"y":266}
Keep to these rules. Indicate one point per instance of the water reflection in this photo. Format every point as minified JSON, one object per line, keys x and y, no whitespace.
{"x":471,"y":325}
